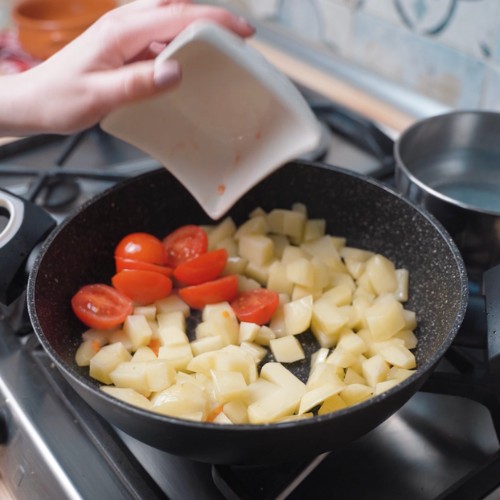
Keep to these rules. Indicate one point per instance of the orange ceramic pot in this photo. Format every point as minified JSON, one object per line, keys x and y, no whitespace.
{"x":45,"y":26}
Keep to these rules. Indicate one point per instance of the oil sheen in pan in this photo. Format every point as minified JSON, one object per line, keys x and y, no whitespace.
{"x":469,"y":176}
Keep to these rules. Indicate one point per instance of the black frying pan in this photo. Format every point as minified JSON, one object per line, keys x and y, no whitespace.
{"x":80,"y":251}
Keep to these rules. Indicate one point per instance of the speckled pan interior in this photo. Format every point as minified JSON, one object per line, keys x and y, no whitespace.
{"x":369,"y":215}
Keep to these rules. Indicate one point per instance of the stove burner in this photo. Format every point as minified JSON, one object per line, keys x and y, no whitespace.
{"x":60,"y":191}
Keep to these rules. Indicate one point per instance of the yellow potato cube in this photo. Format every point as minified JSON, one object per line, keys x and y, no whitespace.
{"x":297,"y":315}
{"x":257,"y":248}
{"x":174,"y":318}
{"x":280,"y":376}
{"x":228,"y":385}
{"x":86,"y":351}
{"x":137,"y":328}
{"x":385,"y":317}
{"x":381,"y":273}
{"x":128,"y":396}
{"x":235,"y":265}
{"x":398,"y":355}
{"x":287,"y":349}
{"x":144,"y":353}
{"x":300,"y":272}
{"x":181,"y":399}
{"x":236,"y":411}
{"x":172,"y":303}
{"x":207,"y":344}
{"x":279,"y":404}
{"x":178,"y":356}
{"x":333,"y":403}
{"x":225,"y":229}
{"x":317,"y":396}
{"x":277,"y":278}
{"x":355,"y":393}
{"x":255,"y":225}
{"x":375,"y":370}
{"x":106,"y":360}
{"x":315,"y":228}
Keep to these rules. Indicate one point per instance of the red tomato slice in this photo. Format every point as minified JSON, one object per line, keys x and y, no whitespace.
{"x":210,"y":292}
{"x":122,"y":264}
{"x":143,"y":247}
{"x":185,"y":243}
{"x":101,"y":306}
{"x":256,"y":306}
{"x":143,"y":287}
{"x":205,"y":267}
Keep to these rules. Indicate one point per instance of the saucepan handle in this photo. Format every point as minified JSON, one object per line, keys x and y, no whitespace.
{"x":26,"y":225}
{"x":491,"y":285}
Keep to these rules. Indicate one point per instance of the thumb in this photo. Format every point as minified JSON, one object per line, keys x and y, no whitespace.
{"x":139,"y":80}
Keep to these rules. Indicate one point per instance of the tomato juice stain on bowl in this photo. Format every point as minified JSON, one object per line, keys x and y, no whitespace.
{"x":233,"y":119}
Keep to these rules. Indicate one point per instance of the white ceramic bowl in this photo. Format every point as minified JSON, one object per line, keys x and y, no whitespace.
{"x":233,"y":119}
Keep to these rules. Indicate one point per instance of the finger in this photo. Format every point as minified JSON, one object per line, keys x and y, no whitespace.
{"x":134,"y":33}
{"x":132,"y":82}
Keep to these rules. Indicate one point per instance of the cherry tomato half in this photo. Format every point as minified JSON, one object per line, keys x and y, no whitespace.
{"x":210,"y":292}
{"x":143,"y":287}
{"x":205,"y":267}
{"x":101,"y":306}
{"x":141,"y":246}
{"x":185,"y":243}
{"x":122,"y":264}
{"x":256,"y":306}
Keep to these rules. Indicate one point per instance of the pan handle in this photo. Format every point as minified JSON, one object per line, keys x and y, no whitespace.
{"x":491,"y":284}
{"x":22,"y":226}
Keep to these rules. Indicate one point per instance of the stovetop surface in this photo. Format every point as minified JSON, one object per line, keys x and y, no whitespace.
{"x":424,"y":451}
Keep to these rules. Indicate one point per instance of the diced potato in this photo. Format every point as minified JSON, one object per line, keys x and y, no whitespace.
{"x":144,"y":353}
{"x":324,"y":374}
{"x":257,"y":352}
{"x":236,"y":411}
{"x":375,"y":370}
{"x":100,"y":336}
{"x":300,"y":207}
{"x":222,"y":418}
{"x":172,"y":303}
{"x":288,"y":223}
{"x":228,"y":385}
{"x":280,"y":243}
{"x":255,"y":225}
{"x":246,"y":284}
{"x":131,"y":375}
{"x":398,"y":355}
{"x":355,"y":393}
{"x":235,"y":265}
{"x":408,"y":337}
{"x":259,"y":389}
{"x":225,"y":229}
{"x":106,"y":360}
{"x":180,"y":399}
{"x":203,"y":363}
{"x":86,"y":351}
{"x":333,"y":403}
{"x":355,"y":254}
{"x":178,"y":356}
{"x":341,"y":357}
{"x":352,"y":342}
{"x":399,"y":374}
{"x":297,"y":315}
{"x":277,"y":323}
{"x":279,"y":404}
{"x":292,"y":253}
{"x":207,"y":344}
{"x":319,"y":356}
{"x":279,"y":375}
{"x":324,"y":249}
{"x":220,"y":311}
{"x":248,"y":332}
{"x":230,"y":245}
{"x":322,"y":277}
{"x":381,"y":273}
{"x":300,"y":272}
{"x":315,"y":228}
{"x":257,"y":248}
{"x":137,"y":328}
{"x":235,"y":359}
{"x":121,"y":336}
{"x":128,"y":396}
{"x":172,"y":336}
{"x":264,"y":335}
{"x":340,"y":295}
{"x":410,"y":319}
{"x":353,"y":377}
{"x":148,"y":311}
{"x":385,"y":317}
{"x":402,"y":279}
{"x":174,"y":318}
{"x":287,"y":349}
{"x":259,"y":273}
{"x":385,"y":386}
{"x":327,"y":318}
{"x":277,"y":278}
{"x":256,"y":212}
{"x":317,"y":396}
{"x":299,"y":292}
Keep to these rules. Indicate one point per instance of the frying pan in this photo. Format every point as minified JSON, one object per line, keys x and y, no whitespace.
{"x":369,"y":215}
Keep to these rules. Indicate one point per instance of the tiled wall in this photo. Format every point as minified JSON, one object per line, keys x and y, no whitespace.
{"x":447,"y":50}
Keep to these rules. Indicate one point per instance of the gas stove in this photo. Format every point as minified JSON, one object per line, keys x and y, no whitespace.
{"x":443,"y":443}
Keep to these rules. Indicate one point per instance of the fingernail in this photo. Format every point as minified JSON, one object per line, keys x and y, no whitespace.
{"x":167,"y":73}
{"x":246,"y":25}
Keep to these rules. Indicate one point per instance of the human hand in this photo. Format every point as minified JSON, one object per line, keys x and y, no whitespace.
{"x":110,"y":64}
